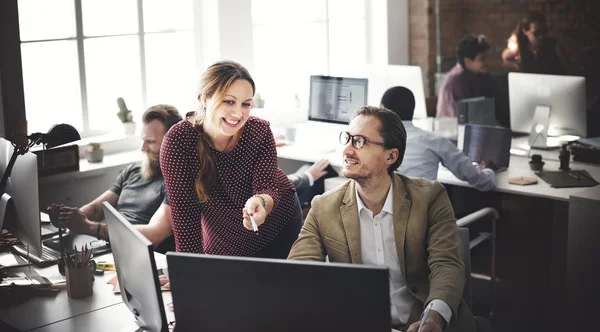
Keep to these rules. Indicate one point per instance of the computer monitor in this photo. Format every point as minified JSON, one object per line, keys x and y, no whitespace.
{"x":383,"y":77}
{"x":478,"y":111}
{"x":22,"y":187}
{"x":336,"y":99}
{"x":218,"y":293}
{"x":136,"y":272}
{"x":488,"y":143}
{"x":565,"y":95}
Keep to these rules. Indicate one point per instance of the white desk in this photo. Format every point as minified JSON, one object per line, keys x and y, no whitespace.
{"x":519,"y":166}
{"x":42,"y":311}
{"x":48,"y":307}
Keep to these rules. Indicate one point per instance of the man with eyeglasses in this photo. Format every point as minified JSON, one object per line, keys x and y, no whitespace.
{"x":383,"y":218}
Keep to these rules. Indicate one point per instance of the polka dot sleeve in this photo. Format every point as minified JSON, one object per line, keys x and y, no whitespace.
{"x":178,"y":163}
{"x":266,"y":169}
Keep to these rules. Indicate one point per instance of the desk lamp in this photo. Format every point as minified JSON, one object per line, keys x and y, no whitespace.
{"x":57,"y":135}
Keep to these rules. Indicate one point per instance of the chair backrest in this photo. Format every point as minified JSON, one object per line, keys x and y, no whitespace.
{"x":465,"y":255}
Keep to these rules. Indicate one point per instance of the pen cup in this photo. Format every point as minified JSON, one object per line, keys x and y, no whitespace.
{"x":79,"y":281}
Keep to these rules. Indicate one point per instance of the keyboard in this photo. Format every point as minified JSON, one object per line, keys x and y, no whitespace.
{"x":49,"y":256}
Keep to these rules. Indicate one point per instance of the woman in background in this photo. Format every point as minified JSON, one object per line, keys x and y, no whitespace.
{"x":221,"y":168}
{"x":531,"y":50}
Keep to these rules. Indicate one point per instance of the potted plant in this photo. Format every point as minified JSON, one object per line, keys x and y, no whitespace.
{"x":94,"y":153}
{"x":126,"y":117}
{"x":258,"y":102}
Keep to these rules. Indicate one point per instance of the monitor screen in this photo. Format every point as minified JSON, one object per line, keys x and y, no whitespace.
{"x":221,"y":293}
{"x":488,"y":143}
{"x":564,"y":95}
{"x":22,"y":187}
{"x":136,"y":271}
{"x":336,"y":99}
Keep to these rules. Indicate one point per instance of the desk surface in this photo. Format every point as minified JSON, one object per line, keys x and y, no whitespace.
{"x":45,"y":308}
{"x":113,"y":318}
{"x":519,"y":166}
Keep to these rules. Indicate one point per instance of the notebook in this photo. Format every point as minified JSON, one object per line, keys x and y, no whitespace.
{"x":567,"y":179}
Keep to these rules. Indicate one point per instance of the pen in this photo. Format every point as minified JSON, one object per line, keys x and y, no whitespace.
{"x":254,"y":227}
{"x":425,"y":314}
{"x":573,"y":176}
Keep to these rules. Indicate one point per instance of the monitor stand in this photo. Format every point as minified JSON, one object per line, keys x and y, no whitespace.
{"x":538,"y":136}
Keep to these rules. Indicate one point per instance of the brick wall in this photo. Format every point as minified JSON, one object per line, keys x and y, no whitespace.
{"x":576,"y":23}
{"x":422,"y":38}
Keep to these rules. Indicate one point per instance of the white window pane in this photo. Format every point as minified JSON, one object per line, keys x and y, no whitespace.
{"x":112,"y":67}
{"x":346,"y":46}
{"x":109,"y":17}
{"x":346,"y":10}
{"x":43,"y":19}
{"x":288,"y":54}
{"x":161,"y":15}
{"x":270,"y":11}
{"x":171,"y":70}
{"x":51,"y":85}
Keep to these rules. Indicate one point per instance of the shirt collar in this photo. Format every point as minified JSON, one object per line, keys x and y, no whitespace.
{"x":408,"y":124}
{"x":388,"y":206}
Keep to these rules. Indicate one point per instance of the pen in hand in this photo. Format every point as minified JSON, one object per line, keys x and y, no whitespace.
{"x":425,"y":315}
{"x":254,"y":227}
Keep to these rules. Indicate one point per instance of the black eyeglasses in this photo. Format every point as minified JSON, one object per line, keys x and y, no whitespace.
{"x":358,"y":141}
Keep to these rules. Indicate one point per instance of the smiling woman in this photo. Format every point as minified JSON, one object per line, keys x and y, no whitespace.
{"x":220,"y":169}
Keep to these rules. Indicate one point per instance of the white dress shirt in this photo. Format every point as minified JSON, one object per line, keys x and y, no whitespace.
{"x":378,"y":247}
{"x":424,"y":152}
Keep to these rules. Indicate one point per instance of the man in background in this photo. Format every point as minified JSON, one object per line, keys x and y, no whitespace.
{"x":426,"y":150}
{"x":138,"y":192}
{"x":468,"y":78}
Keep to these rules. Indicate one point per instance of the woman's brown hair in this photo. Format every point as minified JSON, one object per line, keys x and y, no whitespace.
{"x":214,"y":83}
{"x":525,"y":55}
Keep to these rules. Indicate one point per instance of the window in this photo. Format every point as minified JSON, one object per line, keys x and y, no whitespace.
{"x":79,"y":56}
{"x":296,"y":39}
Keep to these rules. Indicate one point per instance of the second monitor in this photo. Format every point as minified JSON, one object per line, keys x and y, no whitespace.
{"x":564,"y":95}
{"x":336,"y":99}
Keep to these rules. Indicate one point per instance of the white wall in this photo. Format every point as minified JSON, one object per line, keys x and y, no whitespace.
{"x":223,"y":32}
{"x":398,"y":32}
{"x":224,"y":29}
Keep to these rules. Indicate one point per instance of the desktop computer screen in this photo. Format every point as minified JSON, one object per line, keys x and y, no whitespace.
{"x":22,"y":186}
{"x":136,"y":270}
{"x":220,"y":293}
{"x":383,"y":77}
{"x":564,"y":95}
{"x":336,"y":99}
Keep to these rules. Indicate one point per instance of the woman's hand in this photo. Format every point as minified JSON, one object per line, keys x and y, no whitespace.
{"x":254,"y":207}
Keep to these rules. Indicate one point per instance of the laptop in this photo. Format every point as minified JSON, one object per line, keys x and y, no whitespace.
{"x":136,"y":271}
{"x":219,"y":293}
{"x":488,"y":143}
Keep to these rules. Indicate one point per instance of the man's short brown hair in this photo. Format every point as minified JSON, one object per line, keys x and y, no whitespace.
{"x":167,"y":114}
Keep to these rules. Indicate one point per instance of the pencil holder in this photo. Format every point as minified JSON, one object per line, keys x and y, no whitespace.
{"x":79,"y":281}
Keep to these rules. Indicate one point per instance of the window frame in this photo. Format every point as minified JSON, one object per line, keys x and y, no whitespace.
{"x":80,"y":39}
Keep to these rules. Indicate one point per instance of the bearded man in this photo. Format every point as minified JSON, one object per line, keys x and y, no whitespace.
{"x":138,"y":193}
